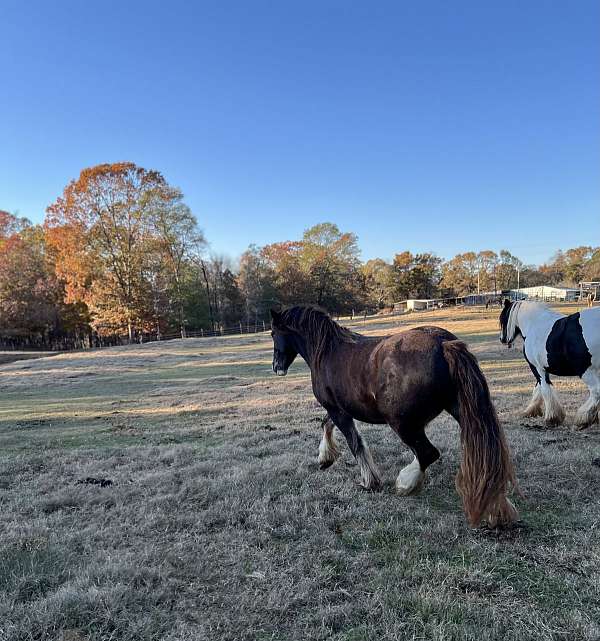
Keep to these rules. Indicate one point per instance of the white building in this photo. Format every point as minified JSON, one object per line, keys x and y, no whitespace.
{"x":545,"y":292}
{"x":417,"y":304}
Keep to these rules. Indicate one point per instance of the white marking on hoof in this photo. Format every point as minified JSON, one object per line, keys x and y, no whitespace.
{"x":554,"y":414}
{"x":328,"y":451}
{"x":536,"y":404}
{"x":531,"y":411}
{"x":410,"y":479}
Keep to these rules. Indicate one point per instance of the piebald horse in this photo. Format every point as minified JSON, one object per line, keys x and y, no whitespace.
{"x":404,"y":380}
{"x":560,"y":345}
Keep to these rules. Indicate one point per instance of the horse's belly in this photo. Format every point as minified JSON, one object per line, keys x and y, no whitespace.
{"x":568,"y":353}
{"x":568,"y":364}
{"x":362,"y":412}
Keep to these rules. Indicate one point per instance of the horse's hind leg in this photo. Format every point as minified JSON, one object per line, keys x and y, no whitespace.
{"x":328,"y":451}
{"x":587,"y":414}
{"x":370,"y":477}
{"x":412,"y":476}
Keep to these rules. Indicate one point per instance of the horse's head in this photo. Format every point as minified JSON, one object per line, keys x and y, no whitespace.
{"x":284,"y":345}
{"x":508,"y":326}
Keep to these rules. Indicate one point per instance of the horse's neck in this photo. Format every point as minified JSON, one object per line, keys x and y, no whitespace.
{"x":303,"y":349}
{"x":531,"y":317}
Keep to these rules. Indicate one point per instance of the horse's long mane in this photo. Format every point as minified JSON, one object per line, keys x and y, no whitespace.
{"x":511,"y":327}
{"x":319,"y":330}
{"x":511,"y":322}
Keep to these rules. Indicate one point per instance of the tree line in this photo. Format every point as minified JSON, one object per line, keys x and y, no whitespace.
{"x":121,"y":255}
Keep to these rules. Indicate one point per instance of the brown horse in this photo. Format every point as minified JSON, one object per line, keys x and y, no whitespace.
{"x":404,"y":380}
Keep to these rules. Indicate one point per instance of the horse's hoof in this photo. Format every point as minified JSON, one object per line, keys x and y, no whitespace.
{"x":374,"y":487}
{"x":579,"y":427}
{"x":409,"y":491}
{"x":534,"y":413}
{"x":323,"y":465}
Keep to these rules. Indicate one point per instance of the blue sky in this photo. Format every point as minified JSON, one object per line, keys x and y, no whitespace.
{"x":421,"y":126}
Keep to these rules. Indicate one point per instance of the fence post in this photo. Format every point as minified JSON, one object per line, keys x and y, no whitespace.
{"x":264,"y":328}
{"x":241,"y":328}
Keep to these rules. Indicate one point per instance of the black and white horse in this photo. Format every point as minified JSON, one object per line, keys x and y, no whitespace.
{"x":560,"y":345}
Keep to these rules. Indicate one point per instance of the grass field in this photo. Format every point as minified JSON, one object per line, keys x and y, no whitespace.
{"x":215,"y":522}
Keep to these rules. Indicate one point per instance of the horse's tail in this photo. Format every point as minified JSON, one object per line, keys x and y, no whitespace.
{"x":486,"y":468}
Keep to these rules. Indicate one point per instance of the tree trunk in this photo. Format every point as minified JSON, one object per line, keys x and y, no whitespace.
{"x":182,"y":320}
{"x":210,"y":308}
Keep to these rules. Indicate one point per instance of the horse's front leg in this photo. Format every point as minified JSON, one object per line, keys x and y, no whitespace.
{"x":554,"y":414}
{"x":328,"y":450}
{"x":370,"y":477}
{"x":536,"y":404}
{"x":543,"y":393}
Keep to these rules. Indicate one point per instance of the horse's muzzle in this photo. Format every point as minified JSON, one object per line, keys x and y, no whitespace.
{"x":277,"y":369}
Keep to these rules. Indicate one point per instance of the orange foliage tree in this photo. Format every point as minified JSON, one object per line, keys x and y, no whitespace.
{"x":105,"y":232}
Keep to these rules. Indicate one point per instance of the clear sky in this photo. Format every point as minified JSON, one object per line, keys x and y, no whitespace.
{"x":423,"y":126}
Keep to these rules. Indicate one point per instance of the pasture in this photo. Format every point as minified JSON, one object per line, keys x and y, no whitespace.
{"x":171,"y":491}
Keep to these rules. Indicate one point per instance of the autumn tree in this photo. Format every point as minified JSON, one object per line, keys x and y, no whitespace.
{"x":592,"y":267}
{"x":377,"y":274}
{"x":176,"y":240}
{"x":576,"y":260}
{"x":414,"y":276}
{"x":459,"y":275}
{"x":104,"y":231}
{"x":508,"y":270}
{"x":256,"y":281}
{"x":330,"y":259}
{"x":11,"y":225}
{"x":291,"y":282}
{"x":31,"y":297}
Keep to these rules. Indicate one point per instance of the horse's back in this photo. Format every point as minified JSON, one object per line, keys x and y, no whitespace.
{"x":412,"y":372}
{"x":425,"y":336}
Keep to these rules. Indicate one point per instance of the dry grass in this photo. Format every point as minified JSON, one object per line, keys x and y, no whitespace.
{"x":219,"y":525}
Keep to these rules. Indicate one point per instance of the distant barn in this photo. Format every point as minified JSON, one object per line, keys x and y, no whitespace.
{"x":545,"y":293}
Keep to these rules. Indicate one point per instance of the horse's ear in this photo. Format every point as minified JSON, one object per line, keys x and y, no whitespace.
{"x":275,"y":317}
{"x":507,"y":302}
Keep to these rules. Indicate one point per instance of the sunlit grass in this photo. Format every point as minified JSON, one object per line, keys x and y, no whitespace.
{"x":219,"y":525}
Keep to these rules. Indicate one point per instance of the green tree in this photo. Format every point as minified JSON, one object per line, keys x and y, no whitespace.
{"x":459,"y":275}
{"x":256,"y":281}
{"x":415,"y":276}
{"x":377,"y":276}
{"x":330,"y":259}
